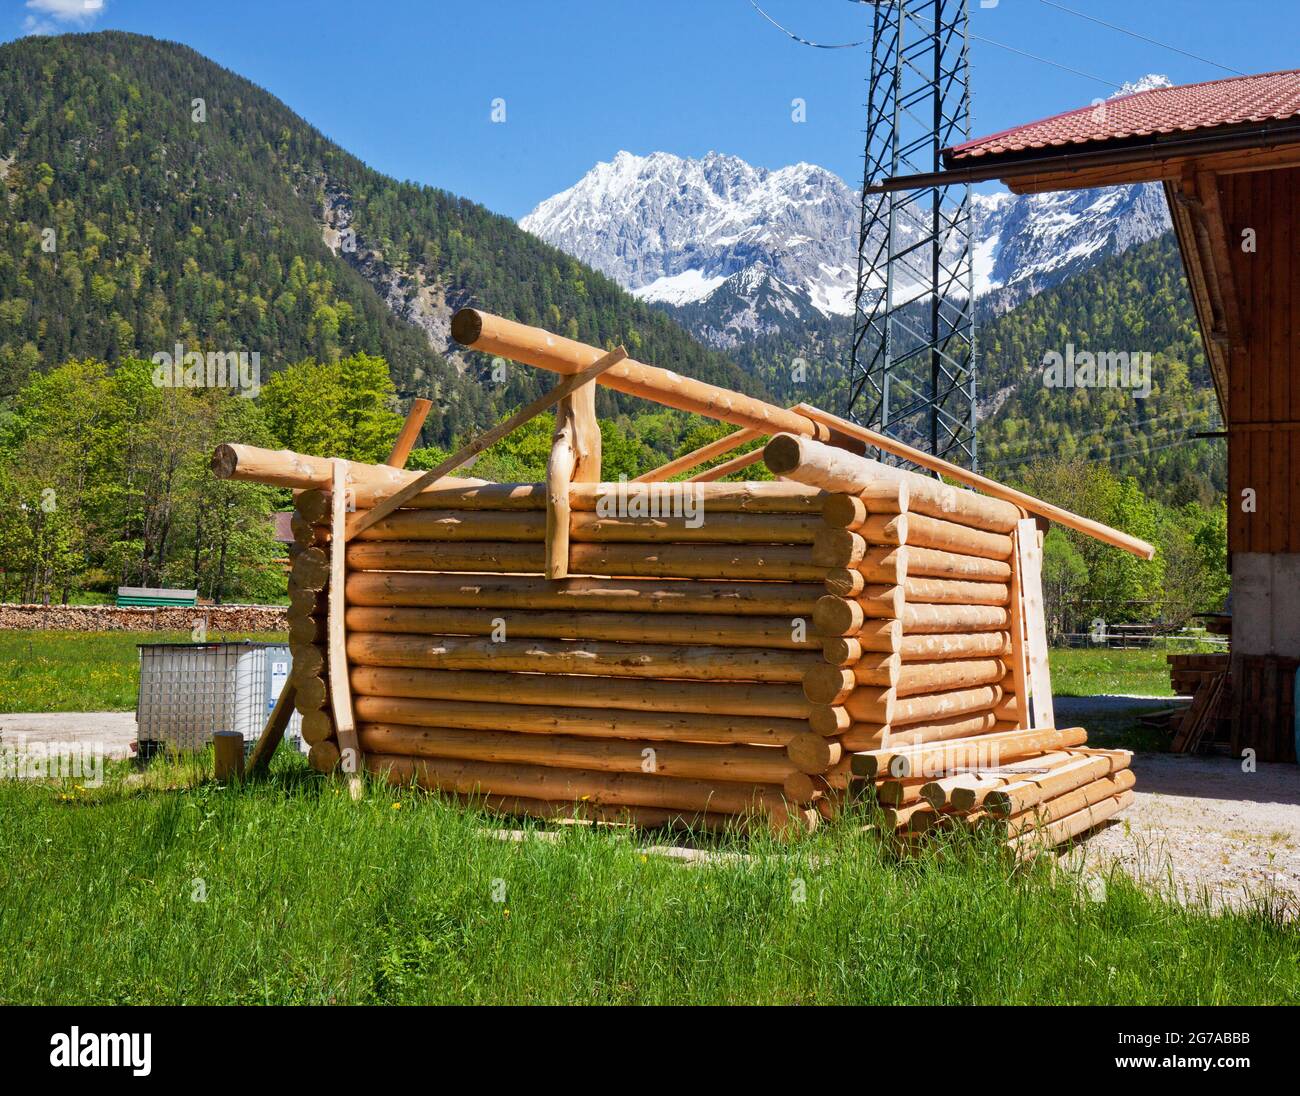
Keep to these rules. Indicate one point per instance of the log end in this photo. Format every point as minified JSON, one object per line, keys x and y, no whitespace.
{"x":467,"y":326}
{"x":781,"y":454}
{"x":224,"y":461}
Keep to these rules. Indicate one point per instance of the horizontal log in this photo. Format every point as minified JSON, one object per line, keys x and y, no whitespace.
{"x":310,"y":570}
{"x":1014,"y":798}
{"x":899,"y":793}
{"x":323,"y":757}
{"x":868,"y":705}
{"x":807,"y":461}
{"x":771,"y":702}
{"x":304,"y":603}
{"x":747,"y":764}
{"x":890,"y":566}
{"x":948,"y":536}
{"x":899,"y":818}
{"x":939,"y":792}
{"x":1053,"y":810}
{"x":533,"y":346}
{"x":771,"y":633}
{"x":317,"y":726}
{"x":813,"y":754}
{"x":845,"y":511}
{"x":312,"y":505}
{"x":833,"y":548}
{"x":283,"y":468}
{"x":803,"y":788}
{"x":457,"y":526}
{"x":858,"y":737}
{"x":449,"y":591}
{"x":574,"y":785}
{"x":954,"y":618}
{"x":829,"y":684}
{"x":846,"y":650}
{"x":1070,"y":827}
{"x":933,"y":647}
{"x":781,"y":563}
{"x":834,"y":616}
{"x":986,"y":751}
{"x":307,"y":631}
{"x":306,"y":660}
{"x":547,"y":719}
{"x":309,"y":693}
{"x":699,"y":528}
{"x":596,"y":658}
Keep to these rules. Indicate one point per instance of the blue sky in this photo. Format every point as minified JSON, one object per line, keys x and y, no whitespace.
{"x":408,"y":85}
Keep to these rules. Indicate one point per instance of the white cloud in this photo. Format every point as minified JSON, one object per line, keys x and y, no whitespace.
{"x":52,"y":16}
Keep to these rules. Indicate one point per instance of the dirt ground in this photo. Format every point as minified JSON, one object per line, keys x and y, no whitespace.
{"x":1200,"y":828}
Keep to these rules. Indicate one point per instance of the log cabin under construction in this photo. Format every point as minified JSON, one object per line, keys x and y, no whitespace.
{"x":692,"y":651}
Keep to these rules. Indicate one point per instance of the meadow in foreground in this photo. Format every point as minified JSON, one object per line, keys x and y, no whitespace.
{"x":160,"y":887}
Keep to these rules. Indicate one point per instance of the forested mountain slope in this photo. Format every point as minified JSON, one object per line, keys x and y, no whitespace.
{"x":136,"y":217}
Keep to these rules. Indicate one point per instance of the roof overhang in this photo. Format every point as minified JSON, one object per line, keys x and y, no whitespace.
{"x":1251,"y":147}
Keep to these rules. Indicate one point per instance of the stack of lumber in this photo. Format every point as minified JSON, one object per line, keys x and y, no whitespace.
{"x":1187,"y":673}
{"x":661,"y":681}
{"x":1033,"y":789}
{"x":924,"y":660}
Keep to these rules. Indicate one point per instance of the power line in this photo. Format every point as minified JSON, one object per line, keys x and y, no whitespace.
{"x":1047,"y":61}
{"x":1016,"y":50}
{"x":804,"y":41}
{"x":1141,"y":37}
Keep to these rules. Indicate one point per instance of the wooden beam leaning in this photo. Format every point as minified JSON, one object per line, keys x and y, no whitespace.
{"x":699,"y":456}
{"x":340,"y":691}
{"x":570,"y":384}
{"x":727,"y":467}
{"x":410,"y":433}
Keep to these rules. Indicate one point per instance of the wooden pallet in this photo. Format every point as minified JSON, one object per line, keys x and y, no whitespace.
{"x":1201,"y":716}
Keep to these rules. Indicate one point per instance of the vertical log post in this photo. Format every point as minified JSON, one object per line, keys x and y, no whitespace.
{"x":575,"y":458}
{"x":227,"y":756}
{"x":340,"y":689}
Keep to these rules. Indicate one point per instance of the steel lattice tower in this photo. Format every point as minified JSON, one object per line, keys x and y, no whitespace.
{"x":912,"y":365}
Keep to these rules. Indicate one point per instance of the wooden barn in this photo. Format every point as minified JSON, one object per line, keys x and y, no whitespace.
{"x":1228,"y":155}
{"x":696,"y":651}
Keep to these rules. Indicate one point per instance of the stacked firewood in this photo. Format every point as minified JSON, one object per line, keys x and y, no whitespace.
{"x":922,"y":691}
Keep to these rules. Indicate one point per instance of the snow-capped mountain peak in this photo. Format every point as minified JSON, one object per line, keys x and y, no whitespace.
{"x":751,"y":250}
{"x":673,"y":229}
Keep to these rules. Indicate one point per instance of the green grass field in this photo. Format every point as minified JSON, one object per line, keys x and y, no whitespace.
{"x":144,"y":891}
{"x":1090,"y":671}
{"x":80,"y":671}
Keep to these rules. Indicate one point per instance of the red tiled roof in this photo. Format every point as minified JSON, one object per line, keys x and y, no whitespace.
{"x":1239,"y":100}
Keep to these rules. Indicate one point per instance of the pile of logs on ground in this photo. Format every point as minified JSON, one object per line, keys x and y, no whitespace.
{"x":699,"y":653}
